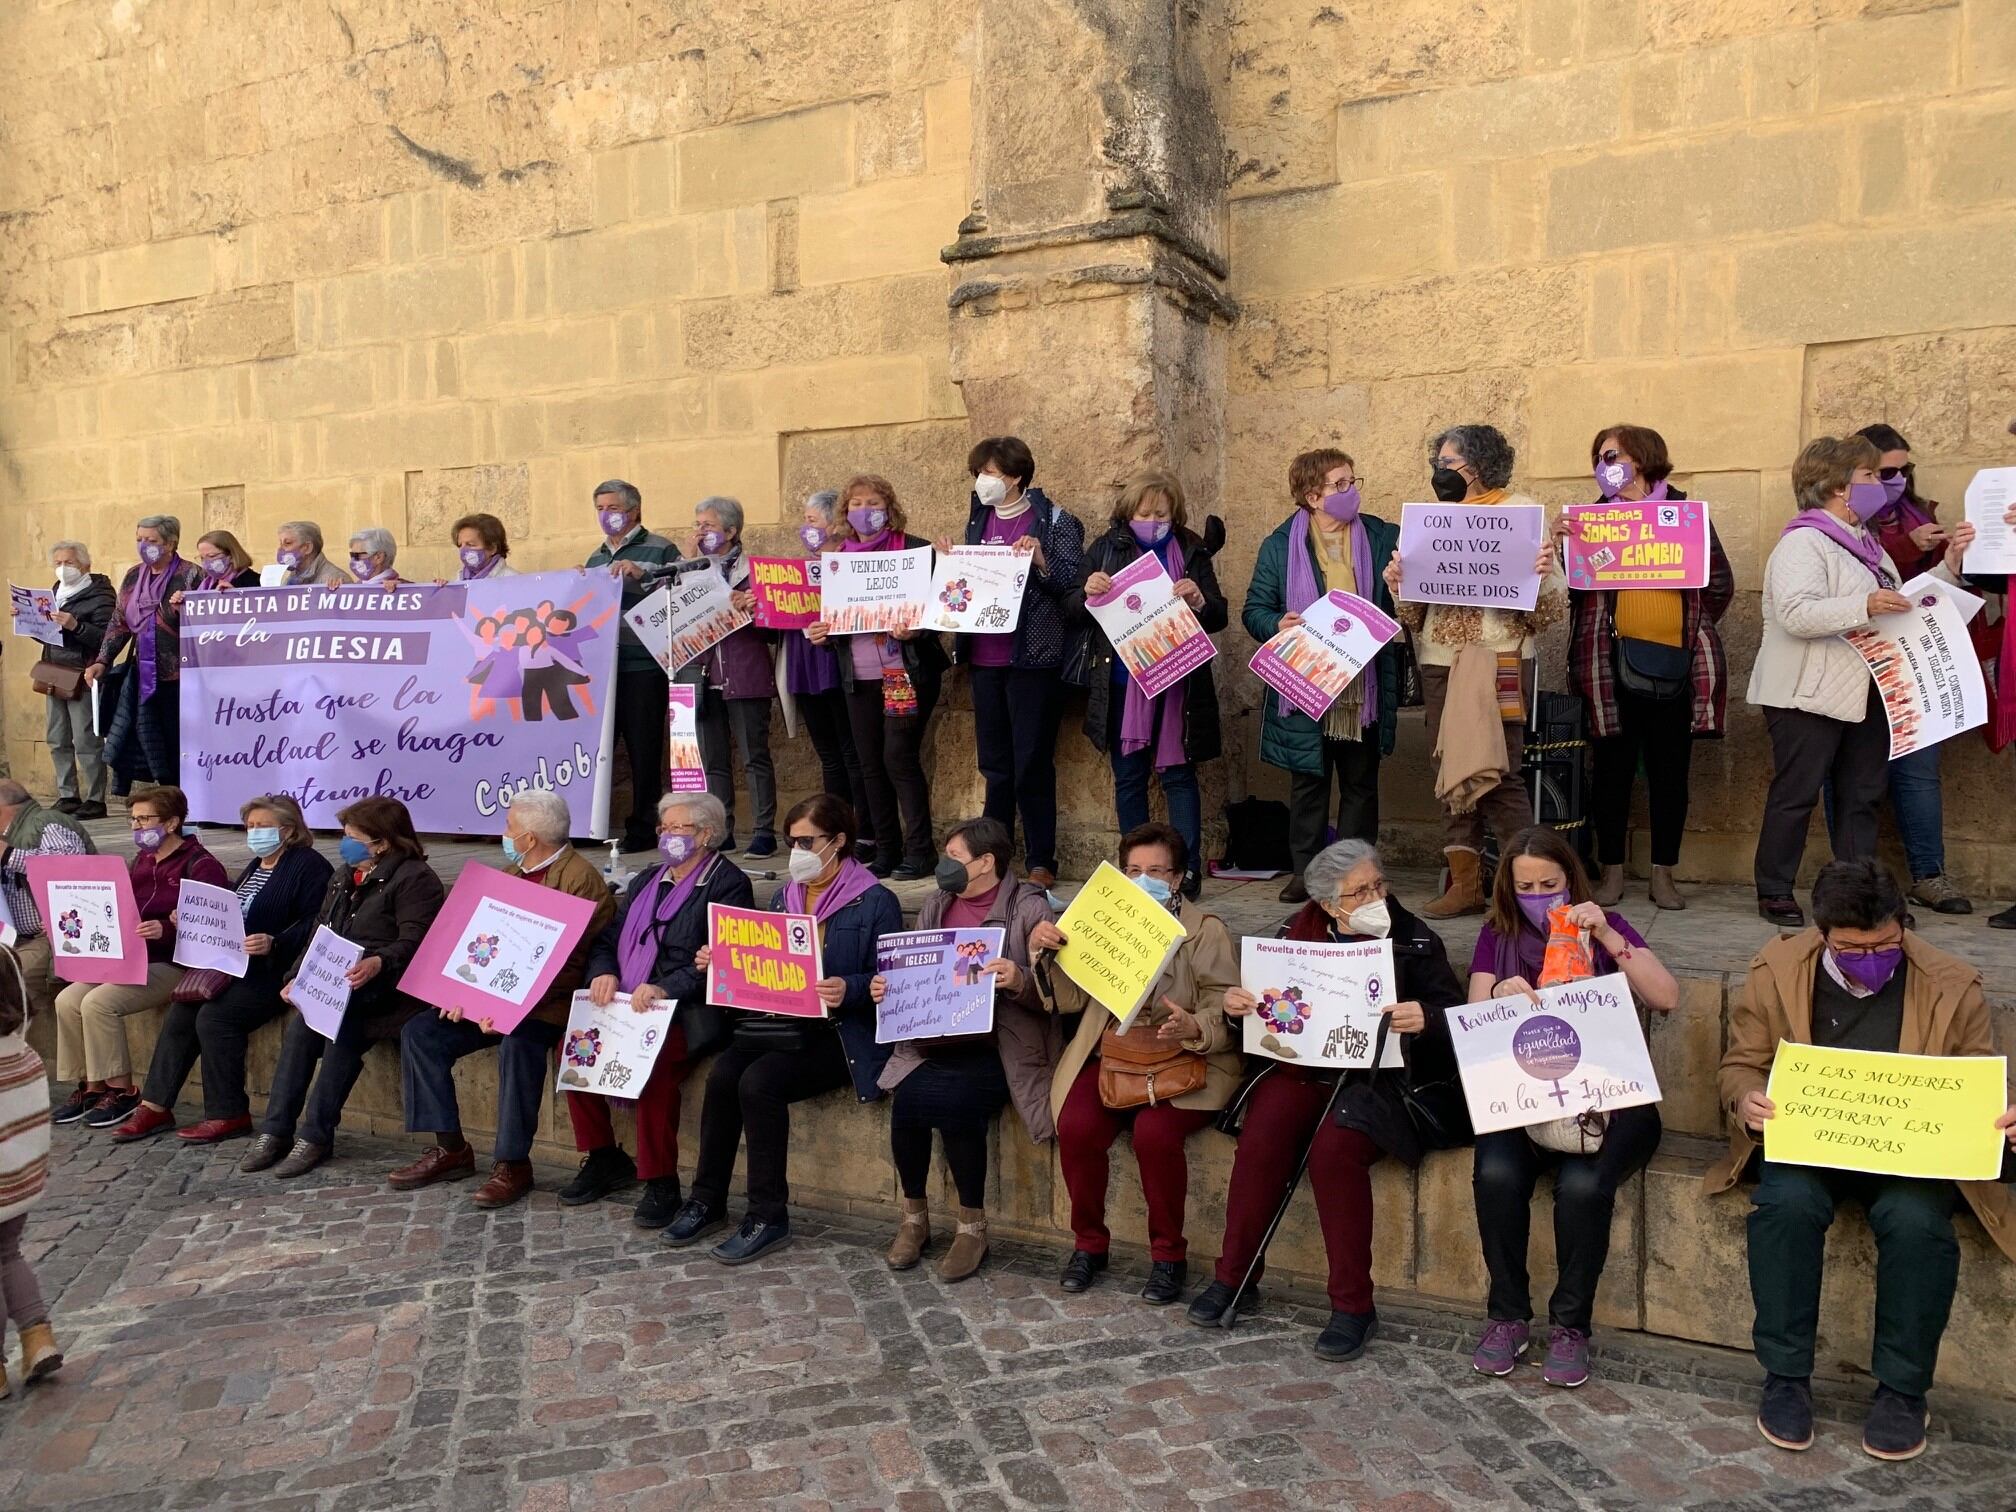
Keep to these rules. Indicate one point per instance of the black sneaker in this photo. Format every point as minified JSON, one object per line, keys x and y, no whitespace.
{"x":1193,"y":885}
{"x":89,"y":810}
{"x":913,"y":871}
{"x":753,"y":1239}
{"x":1165,"y":1282}
{"x":601,"y":1173}
{"x":68,"y":805}
{"x":864,"y":851}
{"x":113,"y":1108}
{"x":1785,"y":1415}
{"x":1208,"y":1310}
{"x":74,"y":1107}
{"x":660,"y":1203}
{"x":880,"y":870}
{"x":761,"y":846}
{"x":2003,"y":920}
{"x":1784,"y":912}
{"x":1346,"y":1335}
{"x":1081,"y":1270}
{"x":693,"y":1222}
{"x":1895,"y":1427}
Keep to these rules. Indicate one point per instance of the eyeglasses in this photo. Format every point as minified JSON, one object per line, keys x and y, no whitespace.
{"x":1888,"y":473}
{"x":1611,"y":454}
{"x":1454,"y":464}
{"x":1331,"y":486}
{"x":1371,"y":892}
{"x":806,"y":842}
{"x":1860,"y":952}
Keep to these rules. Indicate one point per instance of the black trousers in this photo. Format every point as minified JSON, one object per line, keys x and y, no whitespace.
{"x":643,"y":721}
{"x":749,"y":1094}
{"x":219,"y":1031}
{"x":1660,"y":733}
{"x":1015,"y":714}
{"x":1354,"y":764}
{"x":892,"y":769}
{"x":1506,"y":1169}
{"x":748,"y":721}
{"x":303,"y":1102}
{"x":1807,"y":750}
{"x":957,"y":1094}
{"x":546,"y":687}
{"x":825,"y":718}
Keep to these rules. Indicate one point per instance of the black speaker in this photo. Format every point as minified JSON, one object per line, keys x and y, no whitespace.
{"x":1555,"y":769}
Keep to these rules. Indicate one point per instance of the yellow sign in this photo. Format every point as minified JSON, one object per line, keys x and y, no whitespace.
{"x":1895,"y":1115}
{"x":1118,"y":939}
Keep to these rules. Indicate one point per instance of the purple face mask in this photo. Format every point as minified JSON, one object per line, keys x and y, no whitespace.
{"x":814,"y":536}
{"x":869,"y":521}
{"x":1867,"y":500}
{"x":677,"y":849}
{"x":151,"y":552}
{"x":1614,"y":477}
{"x":1535,"y":906}
{"x":360,"y":568}
{"x":1149,"y":532}
{"x":1893,"y":488}
{"x":289,"y":559}
{"x":614,"y":521}
{"x":1871,"y":972}
{"x":1342,"y":505}
{"x":217,"y":567}
{"x":473,"y":557}
{"x":710,"y":542}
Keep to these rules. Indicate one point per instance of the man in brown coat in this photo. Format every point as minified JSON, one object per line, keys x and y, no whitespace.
{"x":1857,"y":980}
{"x":535,"y":843}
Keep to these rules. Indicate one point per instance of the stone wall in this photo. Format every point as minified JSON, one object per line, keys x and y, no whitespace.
{"x":383,"y":261}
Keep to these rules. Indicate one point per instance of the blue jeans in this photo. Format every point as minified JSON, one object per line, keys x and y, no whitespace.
{"x":1179,"y":790}
{"x":430,"y":1045}
{"x":1915,"y":804}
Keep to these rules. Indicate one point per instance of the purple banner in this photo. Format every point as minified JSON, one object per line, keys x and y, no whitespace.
{"x":450,"y":699}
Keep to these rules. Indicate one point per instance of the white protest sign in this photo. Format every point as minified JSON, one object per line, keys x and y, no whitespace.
{"x":1480,"y":555}
{"x":687,"y":618}
{"x":611,"y":1050}
{"x":1924,"y":664}
{"x":32,"y":610}
{"x":1579,"y":1047}
{"x":1989,"y":496}
{"x":976,"y":588}
{"x":321,"y":988}
{"x":503,"y":949}
{"x":83,"y":919}
{"x":861,"y":592}
{"x":1320,"y":1001}
{"x":209,"y":929}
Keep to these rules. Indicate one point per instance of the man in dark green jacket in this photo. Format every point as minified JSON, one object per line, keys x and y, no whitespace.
{"x":1336,"y":546}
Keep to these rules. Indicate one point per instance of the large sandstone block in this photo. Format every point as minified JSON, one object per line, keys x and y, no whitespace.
{"x":743,"y":467}
{"x":153,"y":273}
{"x":1718,"y":413}
{"x":1686,"y":1049}
{"x":1505,"y":118}
{"x":400,"y":303}
{"x":1972,"y":152}
{"x":564,"y":354}
{"x":1535,"y":318}
{"x":1888,"y":57}
{"x":753,"y":161}
{"x":1324,"y":238}
{"x":323,"y":383}
{"x":1876,"y":283}
{"x":892,"y":226}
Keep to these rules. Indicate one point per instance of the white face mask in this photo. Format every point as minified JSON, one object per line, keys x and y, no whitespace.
{"x":990,"y":490}
{"x":805,"y":865}
{"x":1370,"y":919}
{"x":70,"y":574}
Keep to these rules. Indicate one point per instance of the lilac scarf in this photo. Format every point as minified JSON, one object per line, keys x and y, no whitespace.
{"x":484,"y":571}
{"x":143,"y":612}
{"x":1865,"y":548}
{"x":1302,"y":592}
{"x":1158,"y":720}
{"x":637,"y":947}
{"x":852,"y":880}
{"x":808,"y":669}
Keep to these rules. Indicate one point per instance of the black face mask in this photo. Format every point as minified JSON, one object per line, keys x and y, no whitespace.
{"x":1449,"y":484}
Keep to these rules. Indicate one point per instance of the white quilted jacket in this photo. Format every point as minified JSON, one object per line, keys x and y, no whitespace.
{"x":1813,"y":590}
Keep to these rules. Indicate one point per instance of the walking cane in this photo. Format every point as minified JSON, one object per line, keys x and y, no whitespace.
{"x":1230,"y":1318}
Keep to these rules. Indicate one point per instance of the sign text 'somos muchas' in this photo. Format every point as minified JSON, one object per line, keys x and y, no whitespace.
{"x":1117,"y":940}
{"x":450,"y":699}
{"x":1896,"y":1115}
{"x":1476,"y":554}
{"x":766,"y":962}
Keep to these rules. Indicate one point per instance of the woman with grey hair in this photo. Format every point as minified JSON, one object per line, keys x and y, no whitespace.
{"x":84,"y":604}
{"x":298,"y":550}
{"x":1286,"y":1108}
{"x":735,"y":685}
{"x":812,"y":677}
{"x":649,"y":949}
{"x":372,"y":551}
{"x":142,"y":718}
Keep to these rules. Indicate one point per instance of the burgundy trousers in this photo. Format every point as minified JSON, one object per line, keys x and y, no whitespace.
{"x":1086,"y":1129}
{"x":657,"y":1113}
{"x":1281,"y":1115}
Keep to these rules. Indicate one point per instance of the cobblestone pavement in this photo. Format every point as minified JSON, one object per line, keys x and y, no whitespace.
{"x":234,"y":1341}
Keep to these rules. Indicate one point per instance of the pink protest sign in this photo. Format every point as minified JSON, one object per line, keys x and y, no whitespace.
{"x":94,"y":926}
{"x":1311,"y":664}
{"x":787,"y":592}
{"x":496,"y":946}
{"x":687,"y":774}
{"x":1660,"y":543}
{"x":1152,"y":630}
{"x":768,"y":962}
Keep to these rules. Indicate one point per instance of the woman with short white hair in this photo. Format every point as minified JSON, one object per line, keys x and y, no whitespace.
{"x":143,"y":723}
{"x":372,"y":551}
{"x":83,"y":612}
{"x":298,"y":549}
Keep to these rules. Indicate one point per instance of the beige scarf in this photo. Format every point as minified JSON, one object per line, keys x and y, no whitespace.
{"x":1470,"y":748}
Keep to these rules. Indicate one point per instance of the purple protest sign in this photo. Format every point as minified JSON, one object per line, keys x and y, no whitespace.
{"x":450,"y":699}
{"x":1478,"y":555}
{"x":1656,"y":543}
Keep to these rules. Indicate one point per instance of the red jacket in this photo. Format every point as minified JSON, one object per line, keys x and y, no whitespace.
{"x":157,"y":884}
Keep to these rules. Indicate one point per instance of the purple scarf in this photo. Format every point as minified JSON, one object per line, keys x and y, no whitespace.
{"x":808,"y":669}
{"x":143,"y":610}
{"x":852,"y":880}
{"x":1158,"y":720}
{"x":1865,"y":548}
{"x":481,"y":572}
{"x":636,"y":949}
{"x":1302,"y":592}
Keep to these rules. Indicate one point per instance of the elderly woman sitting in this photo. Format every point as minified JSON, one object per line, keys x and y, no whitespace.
{"x":372,"y":550}
{"x":298,"y":550}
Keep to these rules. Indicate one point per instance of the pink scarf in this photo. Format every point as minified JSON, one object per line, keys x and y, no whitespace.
{"x":637,"y":946}
{"x":1302,"y":591}
{"x":852,"y":880}
{"x":1158,"y":720}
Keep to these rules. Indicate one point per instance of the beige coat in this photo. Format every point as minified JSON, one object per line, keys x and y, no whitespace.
{"x":1944,"y":1014}
{"x":1205,"y":966}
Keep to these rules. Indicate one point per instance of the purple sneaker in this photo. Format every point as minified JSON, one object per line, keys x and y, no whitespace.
{"x":1567,"y":1358}
{"x":1499,"y":1350}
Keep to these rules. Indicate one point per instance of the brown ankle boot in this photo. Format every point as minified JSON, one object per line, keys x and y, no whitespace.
{"x":1465,"y":894}
{"x":969,"y":1245}
{"x":39,"y":1355}
{"x":1664,"y":893}
{"x":912,"y":1235}
{"x":1610,"y":887}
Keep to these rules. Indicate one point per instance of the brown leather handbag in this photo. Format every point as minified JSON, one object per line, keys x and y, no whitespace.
{"x":1138,"y":1070}
{"x":57,"y":680}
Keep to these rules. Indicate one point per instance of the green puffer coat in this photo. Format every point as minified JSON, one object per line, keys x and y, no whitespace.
{"x":1294,"y":741}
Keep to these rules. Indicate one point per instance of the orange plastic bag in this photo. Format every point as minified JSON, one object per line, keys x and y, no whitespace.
{"x":1567,"y":958}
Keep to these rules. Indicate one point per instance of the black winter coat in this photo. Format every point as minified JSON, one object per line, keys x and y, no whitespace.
{"x":1203,"y":738}
{"x":93,"y":605}
{"x":388,"y":913}
{"x":679,"y":940}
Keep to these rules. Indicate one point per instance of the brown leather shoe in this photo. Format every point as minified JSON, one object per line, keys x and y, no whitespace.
{"x":436,"y":1164}
{"x":39,"y":1355}
{"x":303,"y":1158}
{"x":1043,"y":877}
{"x":509,"y":1181}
